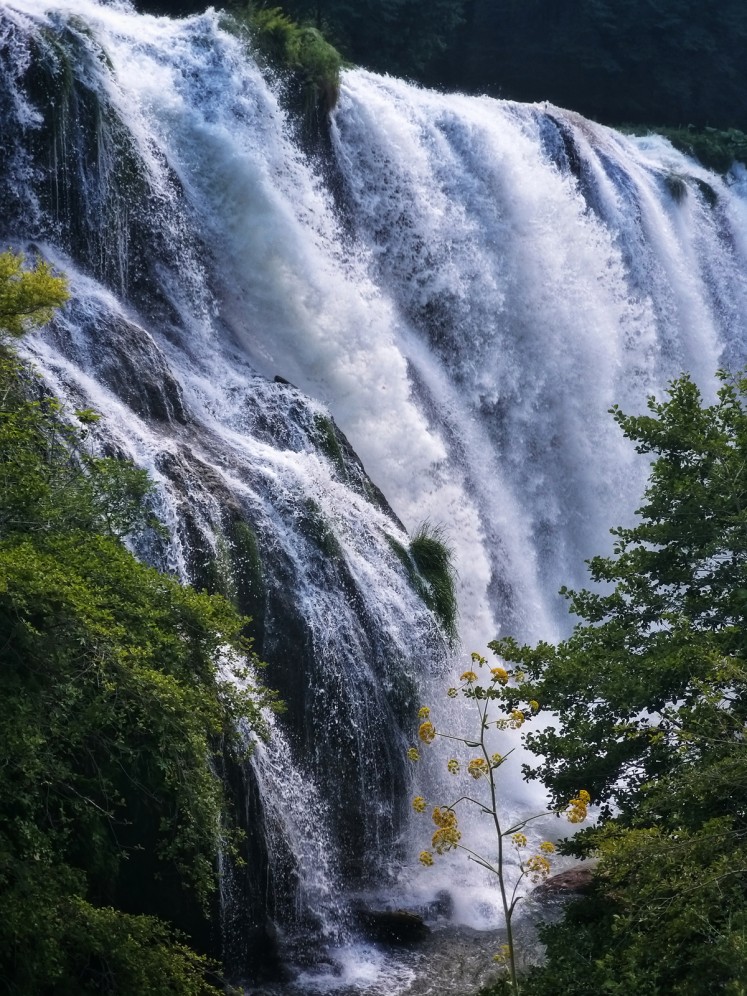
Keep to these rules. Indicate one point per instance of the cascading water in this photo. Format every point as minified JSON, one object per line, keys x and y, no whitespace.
{"x":485,"y":282}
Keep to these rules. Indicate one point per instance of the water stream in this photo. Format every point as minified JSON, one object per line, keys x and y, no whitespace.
{"x":459,"y":293}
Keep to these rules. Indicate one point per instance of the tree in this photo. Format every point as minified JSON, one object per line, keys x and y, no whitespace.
{"x":650,"y":691}
{"x":596,"y":57}
{"x":28,"y":298}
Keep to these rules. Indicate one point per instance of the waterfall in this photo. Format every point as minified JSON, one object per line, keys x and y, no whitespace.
{"x":452,"y":299}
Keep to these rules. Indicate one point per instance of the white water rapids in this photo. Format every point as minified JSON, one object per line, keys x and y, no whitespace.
{"x":466,"y":285}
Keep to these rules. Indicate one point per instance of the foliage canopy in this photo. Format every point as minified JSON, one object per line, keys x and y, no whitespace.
{"x":650,"y":691}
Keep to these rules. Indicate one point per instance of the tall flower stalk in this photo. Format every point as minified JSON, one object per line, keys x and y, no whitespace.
{"x":499,"y":704}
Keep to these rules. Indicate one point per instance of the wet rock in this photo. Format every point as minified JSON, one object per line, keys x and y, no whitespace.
{"x":572,"y":880}
{"x":442,"y":906}
{"x":400,"y":927}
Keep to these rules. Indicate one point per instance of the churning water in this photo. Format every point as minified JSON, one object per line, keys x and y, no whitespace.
{"x":464,"y":285}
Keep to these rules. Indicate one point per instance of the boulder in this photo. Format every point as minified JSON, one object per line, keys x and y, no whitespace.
{"x":400,"y":927}
{"x":577,"y":879}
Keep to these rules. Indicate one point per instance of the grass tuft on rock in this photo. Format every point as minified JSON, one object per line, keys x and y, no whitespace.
{"x":434,"y":562}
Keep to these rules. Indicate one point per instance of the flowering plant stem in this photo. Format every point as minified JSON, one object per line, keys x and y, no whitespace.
{"x":447,"y":836}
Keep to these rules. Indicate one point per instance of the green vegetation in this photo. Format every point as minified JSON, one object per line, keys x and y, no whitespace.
{"x":314,"y":526}
{"x":715,"y":149}
{"x":677,"y":186}
{"x":298,"y":48}
{"x":27,"y":297}
{"x":676,"y":62}
{"x":650,"y":693}
{"x":433,"y":560}
{"x":329,"y":443}
{"x":429,"y":566}
{"x":594,"y":56}
{"x":117,"y":687}
{"x":403,"y":37}
{"x":492,"y":692}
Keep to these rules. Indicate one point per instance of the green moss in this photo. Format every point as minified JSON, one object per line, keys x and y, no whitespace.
{"x":429,"y":567}
{"x":222,"y":569}
{"x":79,"y":135}
{"x":233,"y":569}
{"x":61,"y":70}
{"x":315,"y":528}
{"x":328,"y":443}
{"x":248,"y":575}
{"x":713,"y":148}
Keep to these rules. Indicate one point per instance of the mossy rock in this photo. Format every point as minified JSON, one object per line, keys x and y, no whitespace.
{"x":429,"y":566}
{"x":314,"y":527}
{"x":250,"y":595}
{"x":326,"y":436}
{"x":96,"y":197}
{"x":336,"y":447}
{"x":679,"y":187}
{"x":707,"y":192}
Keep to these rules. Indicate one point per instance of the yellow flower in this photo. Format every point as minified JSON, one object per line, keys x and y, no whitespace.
{"x":499,"y":674}
{"x":453,"y":767}
{"x":418,"y":804}
{"x":445,"y":839}
{"x":426,"y":858}
{"x":469,"y":677}
{"x":547,"y":847}
{"x":519,"y":839}
{"x":534,"y":705}
{"x":423,"y":712}
{"x":427,"y":732}
{"x":444,"y":817}
{"x":452,"y":693}
{"x":413,"y":754}
{"x":577,"y":807}
{"x":517,"y":719}
{"x":496,"y":759}
{"x":477,"y":767}
{"x":537,"y":867}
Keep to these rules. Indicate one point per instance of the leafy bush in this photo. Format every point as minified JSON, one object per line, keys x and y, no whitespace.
{"x":301,"y":49}
{"x":118,"y":687}
{"x":716,"y":149}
